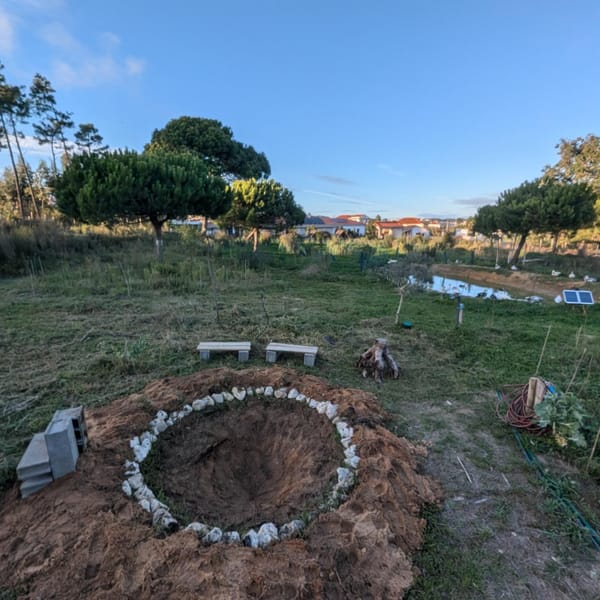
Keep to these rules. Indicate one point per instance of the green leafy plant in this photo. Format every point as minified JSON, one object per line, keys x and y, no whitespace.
{"x":564,"y":413}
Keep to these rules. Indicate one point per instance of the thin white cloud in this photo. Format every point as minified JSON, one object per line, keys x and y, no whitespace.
{"x":135,"y":66}
{"x":390,"y":170}
{"x":31,"y":147}
{"x":59,"y":37}
{"x":350,"y":199}
{"x":46,"y":6}
{"x":87,"y":63}
{"x":7,"y":32}
{"x":335,"y":179}
{"x":477,"y":201}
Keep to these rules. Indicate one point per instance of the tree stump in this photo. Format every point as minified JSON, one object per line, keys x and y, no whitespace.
{"x":376,"y":360}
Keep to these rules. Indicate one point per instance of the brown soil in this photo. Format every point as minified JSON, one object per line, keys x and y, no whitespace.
{"x":82,"y":538}
{"x":242,"y":467}
{"x":532,"y":284}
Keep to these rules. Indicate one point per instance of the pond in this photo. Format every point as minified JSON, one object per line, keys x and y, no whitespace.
{"x":456,"y":287}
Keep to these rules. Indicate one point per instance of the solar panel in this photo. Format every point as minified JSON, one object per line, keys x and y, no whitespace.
{"x":578,"y":297}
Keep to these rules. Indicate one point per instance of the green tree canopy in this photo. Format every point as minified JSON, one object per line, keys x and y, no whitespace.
{"x":540,"y":207}
{"x":579,"y":162}
{"x":518,"y":212}
{"x":88,"y":138}
{"x":122,"y":187}
{"x":566,"y":207}
{"x":214,"y":143}
{"x":263,"y":203}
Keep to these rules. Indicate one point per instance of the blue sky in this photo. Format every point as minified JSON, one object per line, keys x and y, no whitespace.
{"x":399,"y":108}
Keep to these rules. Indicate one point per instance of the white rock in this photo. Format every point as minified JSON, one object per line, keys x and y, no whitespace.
{"x":300,"y":398}
{"x":214,"y":536}
{"x":321,"y":407}
{"x":260,"y":391}
{"x":169,"y":523}
{"x":293,"y":393}
{"x":147,"y":435}
{"x":280,"y":393}
{"x":134,"y":442}
{"x":140,"y":452}
{"x":200,"y":529}
{"x":162,"y":415}
{"x":352,"y":462}
{"x":331,"y":410}
{"x":174,"y":416}
{"x":231,"y":537}
{"x":199,"y":404}
{"x":169,"y":422}
{"x":136,"y":481}
{"x":288,"y":530}
{"x":181,"y":415}
{"x":344,"y":429}
{"x":345,"y":477}
{"x":250,"y":539}
{"x":249,"y":392}
{"x":209,"y":401}
{"x":131,"y":467}
{"x":268,"y":392}
{"x":158,"y":515}
{"x":144,"y":492}
{"x":239,"y":394}
{"x":229,"y":397}
{"x":312,"y":403}
{"x":126,"y":487}
{"x":156,"y":505}
{"x":145,"y":504}
{"x":218,"y":398}
{"x":187,"y":409}
{"x":350,"y":451}
{"x":267,"y":534}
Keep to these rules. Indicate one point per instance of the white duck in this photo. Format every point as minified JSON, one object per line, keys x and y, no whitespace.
{"x":555,"y":273}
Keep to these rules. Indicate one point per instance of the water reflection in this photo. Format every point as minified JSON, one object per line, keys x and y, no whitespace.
{"x":456,"y":287}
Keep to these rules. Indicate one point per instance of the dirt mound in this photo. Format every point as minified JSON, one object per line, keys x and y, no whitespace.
{"x":81,"y":537}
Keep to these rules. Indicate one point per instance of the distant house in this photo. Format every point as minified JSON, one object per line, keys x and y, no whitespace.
{"x":197,"y":221}
{"x":406,"y":228}
{"x":360,"y":218}
{"x":329,"y":225}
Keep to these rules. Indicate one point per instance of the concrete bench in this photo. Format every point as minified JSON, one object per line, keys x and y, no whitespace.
{"x":242,"y":348}
{"x":309,"y":352}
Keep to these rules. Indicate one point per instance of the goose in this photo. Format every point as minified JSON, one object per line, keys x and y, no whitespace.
{"x":555,"y":273}
{"x":571,"y":275}
{"x":589,"y":279}
{"x":514,"y":268}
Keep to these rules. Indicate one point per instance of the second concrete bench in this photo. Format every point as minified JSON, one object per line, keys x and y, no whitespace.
{"x":309,"y":352}
{"x":242,"y":348}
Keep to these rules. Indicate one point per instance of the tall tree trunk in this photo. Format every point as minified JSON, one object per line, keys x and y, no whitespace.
{"x":555,"y":242}
{"x":34,"y":199}
{"x":158,"y":241}
{"x":204,"y":225}
{"x":14,"y":167}
{"x":515,"y":256}
{"x":255,"y":239}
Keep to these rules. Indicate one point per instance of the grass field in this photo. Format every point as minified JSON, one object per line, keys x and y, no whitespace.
{"x":87,"y":325}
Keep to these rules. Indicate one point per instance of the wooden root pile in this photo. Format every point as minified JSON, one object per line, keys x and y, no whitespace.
{"x":376,"y":360}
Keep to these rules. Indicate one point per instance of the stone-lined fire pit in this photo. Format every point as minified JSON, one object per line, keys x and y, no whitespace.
{"x":82,"y":537}
{"x":244,"y":466}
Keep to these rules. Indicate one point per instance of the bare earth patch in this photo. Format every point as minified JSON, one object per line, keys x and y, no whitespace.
{"x":82,"y":538}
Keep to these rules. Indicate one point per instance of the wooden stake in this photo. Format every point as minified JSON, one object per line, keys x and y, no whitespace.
{"x":537,"y":369}
{"x":589,"y":462}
